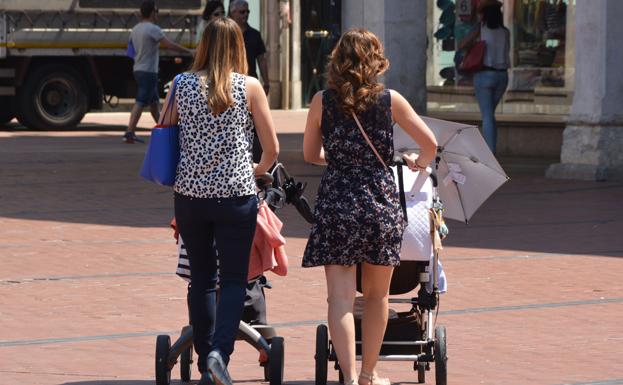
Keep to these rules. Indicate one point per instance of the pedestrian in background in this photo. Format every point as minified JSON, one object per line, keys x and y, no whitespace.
{"x":146,"y":38}
{"x":217,"y":108}
{"x":490,"y":83}
{"x":255,"y":50}
{"x":358,"y":215}
{"x":253,"y":43}
{"x":213,"y":10}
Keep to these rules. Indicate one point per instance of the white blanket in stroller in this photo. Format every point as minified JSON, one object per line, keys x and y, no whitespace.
{"x":417,"y":243}
{"x":183,"y":265}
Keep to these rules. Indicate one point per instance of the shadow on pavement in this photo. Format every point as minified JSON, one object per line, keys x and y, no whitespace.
{"x":92,"y":178}
{"x":91,"y":126}
{"x":535,"y":214}
{"x":125,"y":382}
{"x":285,"y":382}
{"x":79,"y":178}
{"x":178,"y":382}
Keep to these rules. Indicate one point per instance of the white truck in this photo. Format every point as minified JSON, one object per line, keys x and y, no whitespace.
{"x":60,"y":59}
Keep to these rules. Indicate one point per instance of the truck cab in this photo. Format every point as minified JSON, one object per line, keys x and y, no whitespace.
{"x":60,"y":59}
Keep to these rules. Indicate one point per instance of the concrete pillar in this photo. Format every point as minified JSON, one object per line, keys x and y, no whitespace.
{"x":284,"y":54}
{"x":570,"y":48}
{"x":296,"y":86}
{"x":593,"y":139}
{"x":401,"y":26}
{"x":433,"y":50}
{"x":273,"y":31}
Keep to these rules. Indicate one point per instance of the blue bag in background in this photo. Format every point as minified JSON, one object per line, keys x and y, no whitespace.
{"x":130,"y":51}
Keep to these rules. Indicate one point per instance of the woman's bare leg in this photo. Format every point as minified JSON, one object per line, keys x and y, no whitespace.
{"x":341,"y":287}
{"x":375,"y":282}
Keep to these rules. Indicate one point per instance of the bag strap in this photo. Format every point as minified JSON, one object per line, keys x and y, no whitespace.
{"x":368,"y":141}
{"x":401,"y":188}
{"x":401,"y":192}
{"x":170,"y":104}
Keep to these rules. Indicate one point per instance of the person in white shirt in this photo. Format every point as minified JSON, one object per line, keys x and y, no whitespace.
{"x":490,"y":82}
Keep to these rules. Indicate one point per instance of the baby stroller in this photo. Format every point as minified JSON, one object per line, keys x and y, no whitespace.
{"x":276,"y":188}
{"x":410,"y":335}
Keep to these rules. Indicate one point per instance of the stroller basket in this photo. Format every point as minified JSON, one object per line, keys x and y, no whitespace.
{"x":400,"y":336}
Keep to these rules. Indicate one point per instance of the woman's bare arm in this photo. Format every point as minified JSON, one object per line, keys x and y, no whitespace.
{"x":264,"y":126}
{"x":312,"y":139}
{"x":408,"y":119}
{"x":469,"y":40}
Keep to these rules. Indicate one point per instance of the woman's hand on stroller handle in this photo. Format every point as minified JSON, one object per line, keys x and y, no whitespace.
{"x":411,"y":161}
{"x":263,"y":181}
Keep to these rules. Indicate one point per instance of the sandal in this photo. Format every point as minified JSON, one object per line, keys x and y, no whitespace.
{"x":372,"y":379}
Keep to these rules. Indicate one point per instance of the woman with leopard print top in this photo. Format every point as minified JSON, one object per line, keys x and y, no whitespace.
{"x":218,"y":108}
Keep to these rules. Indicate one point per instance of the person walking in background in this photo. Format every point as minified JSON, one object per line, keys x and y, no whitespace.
{"x":358,"y":215}
{"x":213,"y":10}
{"x":146,"y":38}
{"x":216,"y":108}
{"x":490,"y":83}
{"x":253,"y":44}
{"x":255,"y":50}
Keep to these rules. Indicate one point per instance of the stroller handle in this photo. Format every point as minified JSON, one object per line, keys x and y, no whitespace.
{"x":264,"y":180}
{"x":431,"y":173}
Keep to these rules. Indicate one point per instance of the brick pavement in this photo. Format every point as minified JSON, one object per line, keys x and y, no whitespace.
{"x":86,"y":277}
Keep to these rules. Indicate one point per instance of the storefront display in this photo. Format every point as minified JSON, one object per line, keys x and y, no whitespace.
{"x":539,"y":41}
{"x":539,"y":35}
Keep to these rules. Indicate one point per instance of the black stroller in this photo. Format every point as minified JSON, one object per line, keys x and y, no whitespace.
{"x":276,"y":188}
{"x":410,"y":335}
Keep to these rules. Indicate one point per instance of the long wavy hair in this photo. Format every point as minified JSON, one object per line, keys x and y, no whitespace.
{"x":353,"y":70}
{"x":220,"y":52}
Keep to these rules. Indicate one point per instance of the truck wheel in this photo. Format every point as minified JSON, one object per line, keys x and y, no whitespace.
{"x":52,"y":97}
{"x":6,"y":110}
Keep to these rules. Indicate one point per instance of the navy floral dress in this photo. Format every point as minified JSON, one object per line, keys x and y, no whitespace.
{"x":358,"y":214}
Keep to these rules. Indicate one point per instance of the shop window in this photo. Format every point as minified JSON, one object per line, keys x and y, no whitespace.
{"x":539,"y":28}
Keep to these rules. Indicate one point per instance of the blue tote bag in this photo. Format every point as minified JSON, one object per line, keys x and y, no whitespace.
{"x":163,"y":152}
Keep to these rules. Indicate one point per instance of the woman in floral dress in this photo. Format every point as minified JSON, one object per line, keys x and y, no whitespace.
{"x":358,"y":214}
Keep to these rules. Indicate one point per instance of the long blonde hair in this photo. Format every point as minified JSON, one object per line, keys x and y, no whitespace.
{"x":353,"y":70}
{"x":220,"y":52}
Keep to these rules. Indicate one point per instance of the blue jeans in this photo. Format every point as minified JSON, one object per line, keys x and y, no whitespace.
{"x":490,"y":87}
{"x":212,"y":227}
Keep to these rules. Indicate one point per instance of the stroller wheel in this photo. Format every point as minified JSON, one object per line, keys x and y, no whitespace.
{"x":186,"y":360}
{"x":163,"y":372}
{"x":275,"y":361}
{"x":266,"y":373}
{"x":421,"y":372}
{"x":441,"y":357}
{"x":322,"y":354}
